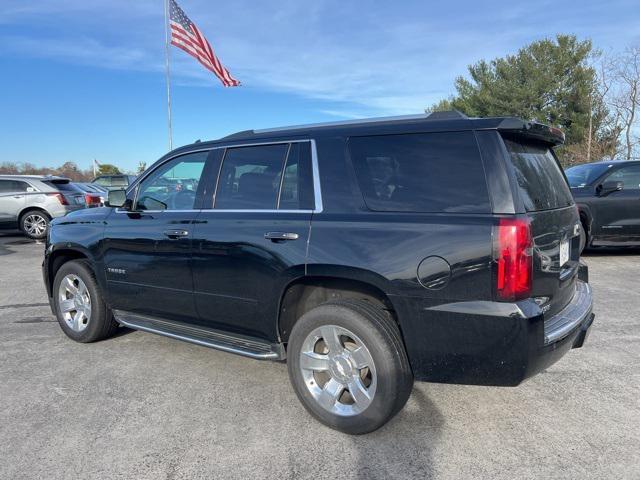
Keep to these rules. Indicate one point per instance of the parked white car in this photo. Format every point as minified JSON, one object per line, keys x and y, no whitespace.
{"x":29,"y":202}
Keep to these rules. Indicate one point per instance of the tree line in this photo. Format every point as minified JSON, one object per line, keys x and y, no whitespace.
{"x":68,"y":169}
{"x":593,"y":96}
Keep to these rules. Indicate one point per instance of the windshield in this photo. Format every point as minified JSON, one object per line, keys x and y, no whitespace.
{"x":582,"y":175}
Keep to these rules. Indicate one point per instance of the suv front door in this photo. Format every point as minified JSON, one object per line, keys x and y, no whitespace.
{"x":251,"y":237}
{"x":12,"y":200}
{"x":618,"y":213}
{"x":147,"y":253}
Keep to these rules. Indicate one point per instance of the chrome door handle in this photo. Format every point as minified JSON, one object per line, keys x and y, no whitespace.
{"x":280,"y":236}
{"x":175,"y":234}
{"x":18,"y":196}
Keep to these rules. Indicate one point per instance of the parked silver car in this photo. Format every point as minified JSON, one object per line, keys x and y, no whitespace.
{"x":29,"y":202}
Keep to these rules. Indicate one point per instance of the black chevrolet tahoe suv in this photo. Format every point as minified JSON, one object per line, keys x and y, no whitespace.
{"x":367,"y":254}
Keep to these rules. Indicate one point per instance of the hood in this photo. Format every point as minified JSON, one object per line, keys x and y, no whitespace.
{"x":85,"y":215}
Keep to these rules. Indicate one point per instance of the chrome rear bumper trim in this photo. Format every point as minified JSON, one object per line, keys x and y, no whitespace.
{"x":569,"y":318}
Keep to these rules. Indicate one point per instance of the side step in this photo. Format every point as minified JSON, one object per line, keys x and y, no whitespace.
{"x":207,"y":337}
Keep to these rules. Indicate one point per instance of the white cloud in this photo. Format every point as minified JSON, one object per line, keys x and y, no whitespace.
{"x":365,"y":57}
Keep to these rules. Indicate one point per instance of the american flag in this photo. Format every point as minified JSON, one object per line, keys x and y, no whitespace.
{"x":188,"y":37}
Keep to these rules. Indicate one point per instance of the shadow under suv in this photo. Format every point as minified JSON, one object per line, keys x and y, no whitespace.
{"x":367,"y":254}
{"x":29,"y":202}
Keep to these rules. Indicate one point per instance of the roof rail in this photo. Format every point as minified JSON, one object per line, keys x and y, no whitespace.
{"x":420,"y":116}
{"x":447,"y":115}
{"x":243,"y":133}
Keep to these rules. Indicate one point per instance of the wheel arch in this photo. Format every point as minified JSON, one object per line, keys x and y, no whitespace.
{"x":60,"y":256}
{"x":30,"y":208}
{"x":586,"y":218}
{"x":33,"y":207}
{"x":305,"y":293}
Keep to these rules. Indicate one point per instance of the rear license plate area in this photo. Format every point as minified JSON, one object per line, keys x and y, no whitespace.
{"x":565,"y":251}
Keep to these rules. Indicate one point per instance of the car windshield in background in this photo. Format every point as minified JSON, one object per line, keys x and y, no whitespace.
{"x":582,"y":175}
{"x":541,"y":182}
{"x":119,"y":181}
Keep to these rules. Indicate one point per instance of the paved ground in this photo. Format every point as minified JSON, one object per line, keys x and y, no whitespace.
{"x":142,"y":406}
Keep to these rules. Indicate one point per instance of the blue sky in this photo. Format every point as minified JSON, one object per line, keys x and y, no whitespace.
{"x":84,"y":79}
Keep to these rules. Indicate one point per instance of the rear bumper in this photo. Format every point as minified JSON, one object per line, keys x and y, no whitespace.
{"x":491,"y":343}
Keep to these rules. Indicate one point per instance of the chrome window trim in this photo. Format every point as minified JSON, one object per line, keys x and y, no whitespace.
{"x":118,"y":210}
{"x":284,"y":167}
{"x":317,"y":192}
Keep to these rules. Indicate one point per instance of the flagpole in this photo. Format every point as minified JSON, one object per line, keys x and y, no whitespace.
{"x":168,"y":70}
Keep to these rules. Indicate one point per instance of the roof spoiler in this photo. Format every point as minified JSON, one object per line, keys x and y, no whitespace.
{"x":534,"y":130}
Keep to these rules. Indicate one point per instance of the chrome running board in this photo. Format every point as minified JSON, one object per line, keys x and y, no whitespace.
{"x":206,"y":337}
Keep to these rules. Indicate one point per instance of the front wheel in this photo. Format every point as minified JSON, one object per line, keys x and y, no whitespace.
{"x":348,"y":365}
{"x":81,"y":311}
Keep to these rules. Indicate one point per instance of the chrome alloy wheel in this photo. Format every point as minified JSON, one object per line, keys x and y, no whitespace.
{"x":74,"y":302}
{"x":338,"y":370}
{"x":35,"y":225}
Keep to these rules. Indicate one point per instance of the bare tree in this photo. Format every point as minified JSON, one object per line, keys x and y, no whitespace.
{"x":624,"y":97}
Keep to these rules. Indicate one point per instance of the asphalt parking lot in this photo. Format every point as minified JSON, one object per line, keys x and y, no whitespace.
{"x":143,"y":406}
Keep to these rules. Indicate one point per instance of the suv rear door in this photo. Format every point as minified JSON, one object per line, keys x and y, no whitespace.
{"x":544,"y":194}
{"x":12,"y":199}
{"x":617,"y":213}
{"x":251,"y":237}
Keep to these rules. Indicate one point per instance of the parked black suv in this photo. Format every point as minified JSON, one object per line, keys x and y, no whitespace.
{"x":608,"y":197}
{"x":367,"y":253}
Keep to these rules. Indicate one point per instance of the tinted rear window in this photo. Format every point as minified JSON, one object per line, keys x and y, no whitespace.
{"x":424,"y":172}
{"x":63,"y":186}
{"x":250,"y":177}
{"x":7,"y":186}
{"x":542,"y":184}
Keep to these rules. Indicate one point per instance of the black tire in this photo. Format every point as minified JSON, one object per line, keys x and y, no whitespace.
{"x":381,"y":336}
{"x":583,"y":239}
{"x":101,"y":324}
{"x":26,"y":219}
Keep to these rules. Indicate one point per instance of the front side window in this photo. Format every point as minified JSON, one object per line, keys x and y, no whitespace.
{"x":421,"y":172}
{"x":629,"y":176}
{"x":172,"y":186}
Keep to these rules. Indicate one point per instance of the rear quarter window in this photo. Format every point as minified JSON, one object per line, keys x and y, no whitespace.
{"x":423,"y":172}
{"x":540,"y":179}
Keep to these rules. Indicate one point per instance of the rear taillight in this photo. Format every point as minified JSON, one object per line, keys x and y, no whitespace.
{"x":90,"y":199}
{"x":514,"y":259}
{"x":60,"y":197}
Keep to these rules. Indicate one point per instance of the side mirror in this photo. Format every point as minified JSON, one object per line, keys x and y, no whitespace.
{"x":609,"y":187}
{"x":118,"y":199}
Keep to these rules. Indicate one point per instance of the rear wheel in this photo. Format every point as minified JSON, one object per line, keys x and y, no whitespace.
{"x":80,"y":309}
{"x":583,"y":237}
{"x":348,"y":366}
{"x":35,"y":224}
